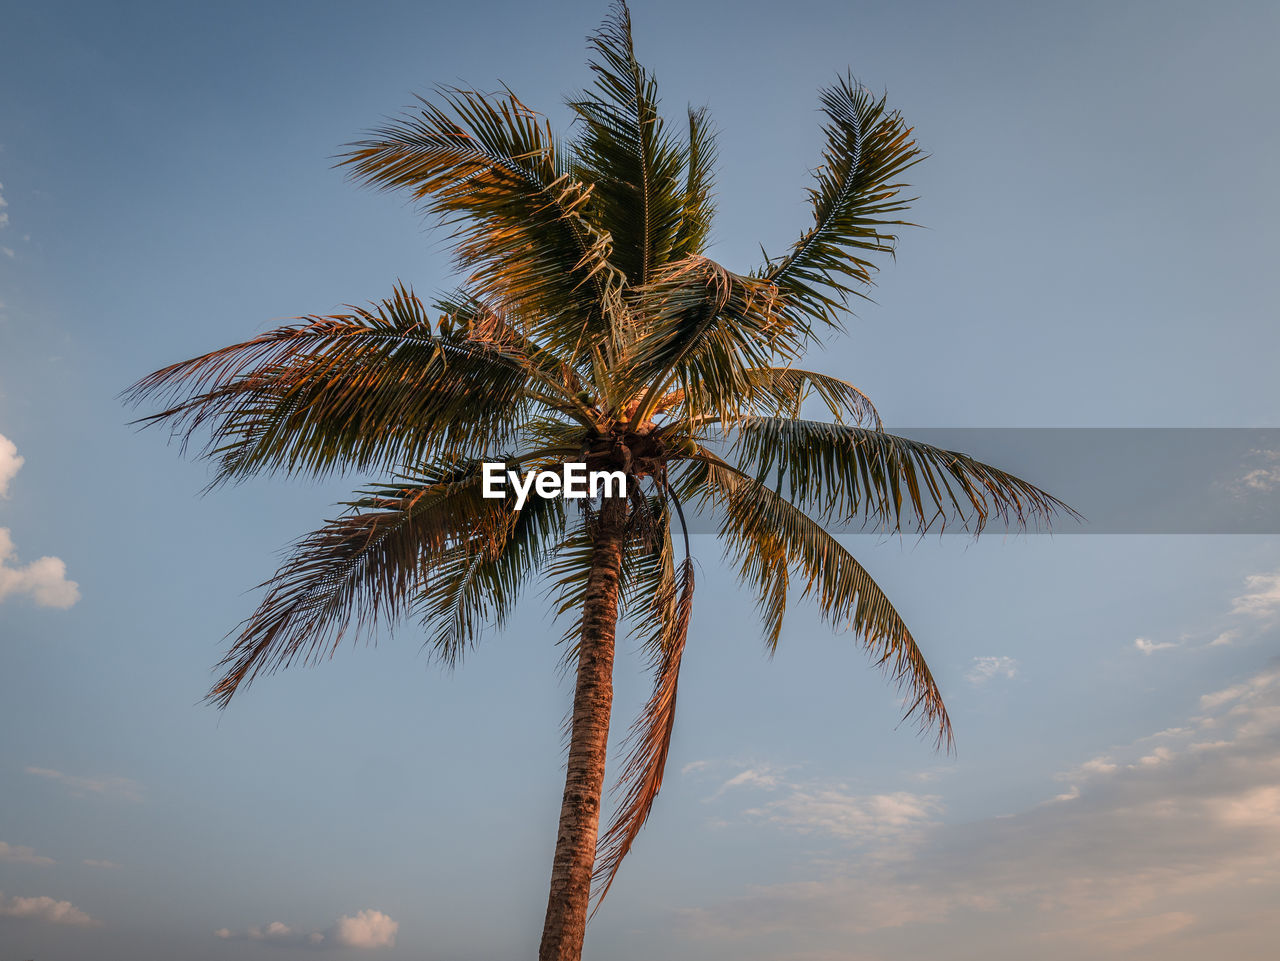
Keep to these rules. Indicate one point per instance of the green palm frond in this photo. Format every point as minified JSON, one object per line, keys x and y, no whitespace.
{"x":853,"y":201}
{"x":698,"y":204}
{"x":371,"y":389}
{"x":769,"y":538}
{"x":705,"y":327}
{"x":850,"y":472}
{"x":361,"y":568}
{"x":636,"y":169}
{"x":482,"y":323}
{"x":489,"y":167}
{"x":785,"y":389}
{"x":476,"y":584}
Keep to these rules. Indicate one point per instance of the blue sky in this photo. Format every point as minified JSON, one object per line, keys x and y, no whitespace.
{"x":1100,"y":215}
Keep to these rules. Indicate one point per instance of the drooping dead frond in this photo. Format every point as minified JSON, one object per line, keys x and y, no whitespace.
{"x":650,"y":738}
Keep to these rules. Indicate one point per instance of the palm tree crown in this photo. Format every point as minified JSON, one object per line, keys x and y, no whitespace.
{"x":589,"y":327}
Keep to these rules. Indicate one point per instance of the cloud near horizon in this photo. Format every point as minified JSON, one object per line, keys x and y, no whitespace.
{"x":44,"y":909}
{"x":365,"y":929}
{"x":1155,"y":851}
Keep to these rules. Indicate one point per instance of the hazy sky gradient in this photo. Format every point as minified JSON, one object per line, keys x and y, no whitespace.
{"x":1100,"y":212}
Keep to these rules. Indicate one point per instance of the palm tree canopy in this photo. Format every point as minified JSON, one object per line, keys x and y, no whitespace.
{"x":588,"y":326}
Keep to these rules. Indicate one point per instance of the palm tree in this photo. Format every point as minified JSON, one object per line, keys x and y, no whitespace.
{"x":589,"y":328}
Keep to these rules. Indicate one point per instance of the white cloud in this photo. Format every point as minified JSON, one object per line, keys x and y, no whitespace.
{"x":364,"y":929}
{"x":18,"y":854}
{"x":1148,"y":646}
{"x":106,"y":786}
{"x":1171,"y":852}
{"x":367,"y":929}
{"x":45,"y":578}
{"x":4,"y":217}
{"x":43,"y":909}
{"x":10,"y":462}
{"x":986,"y":668}
{"x":1261,"y":597}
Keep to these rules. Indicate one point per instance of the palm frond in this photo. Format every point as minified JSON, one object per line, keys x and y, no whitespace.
{"x":705,"y":327}
{"x":850,"y":472}
{"x":854,"y":199}
{"x":636,"y":169}
{"x":372,"y":389}
{"x":489,"y":167}
{"x":650,"y":735}
{"x":768,"y":537}
{"x":358,"y":569}
{"x":783,"y":391}
{"x":476,"y":584}
{"x":698,"y":205}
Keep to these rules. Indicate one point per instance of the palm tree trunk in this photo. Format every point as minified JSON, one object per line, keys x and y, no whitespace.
{"x":566,"y":921}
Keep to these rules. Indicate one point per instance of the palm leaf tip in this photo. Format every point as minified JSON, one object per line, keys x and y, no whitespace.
{"x":854,"y":198}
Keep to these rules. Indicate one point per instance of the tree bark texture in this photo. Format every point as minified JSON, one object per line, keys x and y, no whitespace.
{"x":566,"y":921}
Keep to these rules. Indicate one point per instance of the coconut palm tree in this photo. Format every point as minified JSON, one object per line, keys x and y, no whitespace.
{"x":588,"y":327}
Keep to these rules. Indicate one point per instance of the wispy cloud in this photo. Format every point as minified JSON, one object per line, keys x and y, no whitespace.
{"x":4,"y":216}
{"x":986,"y":668}
{"x":835,"y":812}
{"x":43,"y":909}
{"x":103,"y":785}
{"x":93,"y":863}
{"x":758,"y":777}
{"x":1147,"y":646}
{"x":1157,"y":850}
{"x":1260,"y":476}
{"x":364,"y":929}
{"x":19,"y":854}
{"x":1261,"y":598}
{"x":1225,"y":638}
